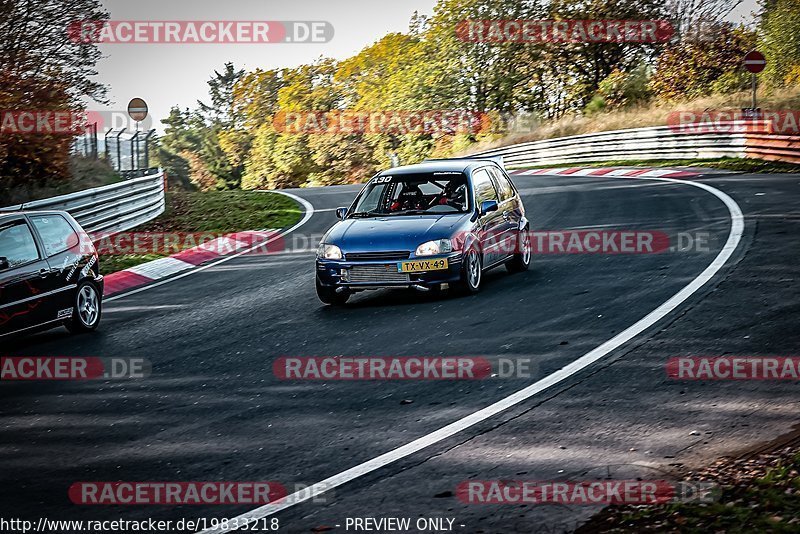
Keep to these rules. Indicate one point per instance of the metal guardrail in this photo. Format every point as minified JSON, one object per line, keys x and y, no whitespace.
{"x":659,"y":142}
{"x":772,"y":146}
{"x":111,"y":208}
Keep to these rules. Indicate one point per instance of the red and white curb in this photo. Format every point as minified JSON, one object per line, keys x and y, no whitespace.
{"x":151,"y":271}
{"x":608,"y":171}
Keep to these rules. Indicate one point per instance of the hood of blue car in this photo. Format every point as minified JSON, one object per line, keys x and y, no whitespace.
{"x":393,"y":233}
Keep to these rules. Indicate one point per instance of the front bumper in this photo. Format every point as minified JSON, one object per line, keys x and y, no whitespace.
{"x":383,"y":273}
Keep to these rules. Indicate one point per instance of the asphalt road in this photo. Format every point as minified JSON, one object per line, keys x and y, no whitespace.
{"x":212,"y":410}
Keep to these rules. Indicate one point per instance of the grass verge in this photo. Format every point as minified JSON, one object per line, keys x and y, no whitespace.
{"x":747,"y":165}
{"x":760,"y":494}
{"x":221,"y":212}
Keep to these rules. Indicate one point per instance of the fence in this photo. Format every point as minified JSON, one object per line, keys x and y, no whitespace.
{"x":121,"y":149}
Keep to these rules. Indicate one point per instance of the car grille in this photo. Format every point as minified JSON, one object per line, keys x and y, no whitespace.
{"x":384,"y":273}
{"x":392,"y":255}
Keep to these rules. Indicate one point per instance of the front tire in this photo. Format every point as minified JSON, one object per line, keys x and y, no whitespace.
{"x":86,"y":310}
{"x":471,"y":272}
{"x":521,"y":261}
{"x":329,"y":296}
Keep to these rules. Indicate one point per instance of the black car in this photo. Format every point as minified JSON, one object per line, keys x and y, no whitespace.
{"x":49,"y":273}
{"x":429,"y":226}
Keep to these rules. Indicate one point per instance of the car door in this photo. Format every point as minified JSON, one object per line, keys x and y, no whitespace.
{"x":25,"y":281}
{"x":510,"y":209}
{"x":60,"y":243}
{"x":491,"y":224}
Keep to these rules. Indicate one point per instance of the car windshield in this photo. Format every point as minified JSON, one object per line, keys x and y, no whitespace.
{"x":413,"y":194}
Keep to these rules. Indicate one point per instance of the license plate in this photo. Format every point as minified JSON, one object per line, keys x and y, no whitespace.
{"x":422,"y":265}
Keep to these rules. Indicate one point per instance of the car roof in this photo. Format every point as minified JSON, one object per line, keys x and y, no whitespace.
{"x":4,"y":214}
{"x":439,"y":165}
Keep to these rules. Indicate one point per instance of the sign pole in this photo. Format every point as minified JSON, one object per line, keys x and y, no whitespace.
{"x":138,"y":155}
{"x":137,"y":110}
{"x":754,"y":62}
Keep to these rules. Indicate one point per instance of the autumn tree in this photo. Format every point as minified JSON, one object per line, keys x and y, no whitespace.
{"x":701,"y":65}
{"x":780,"y":42}
{"x":41,"y":68}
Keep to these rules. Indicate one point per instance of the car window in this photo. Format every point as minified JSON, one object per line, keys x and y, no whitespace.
{"x":484,"y":189}
{"x":371,"y":200}
{"x":413,"y":194}
{"x":17,"y":244}
{"x":56,"y":233}
{"x":504,"y":186}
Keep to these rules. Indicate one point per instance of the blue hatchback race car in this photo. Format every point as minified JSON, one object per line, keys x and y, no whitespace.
{"x":436,"y":225}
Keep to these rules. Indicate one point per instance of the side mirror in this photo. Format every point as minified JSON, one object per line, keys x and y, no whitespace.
{"x":341,"y":213}
{"x":488,"y":206}
{"x":4,"y":263}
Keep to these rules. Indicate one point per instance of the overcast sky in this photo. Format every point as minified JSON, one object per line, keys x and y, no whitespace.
{"x":176,"y":74}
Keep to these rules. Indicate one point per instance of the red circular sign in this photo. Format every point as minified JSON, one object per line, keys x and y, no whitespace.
{"x":137,"y":109}
{"x":755,"y":61}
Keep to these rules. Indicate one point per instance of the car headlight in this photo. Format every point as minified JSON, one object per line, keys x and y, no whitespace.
{"x":440,"y":246}
{"x":329,"y":252}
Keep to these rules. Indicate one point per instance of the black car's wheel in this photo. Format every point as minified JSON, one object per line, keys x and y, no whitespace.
{"x":471,"y":272}
{"x":522,"y":260}
{"x":86,"y":309}
{"x":328,"y":295}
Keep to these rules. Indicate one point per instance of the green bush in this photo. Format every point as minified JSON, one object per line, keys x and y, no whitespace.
{"x":780,"y":42}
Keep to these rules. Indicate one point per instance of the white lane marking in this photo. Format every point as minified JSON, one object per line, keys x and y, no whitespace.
{"x":661,"y":172}
{"x":160,"y":268}
{"x":737,"y":228}
{"x":303,"y":202}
